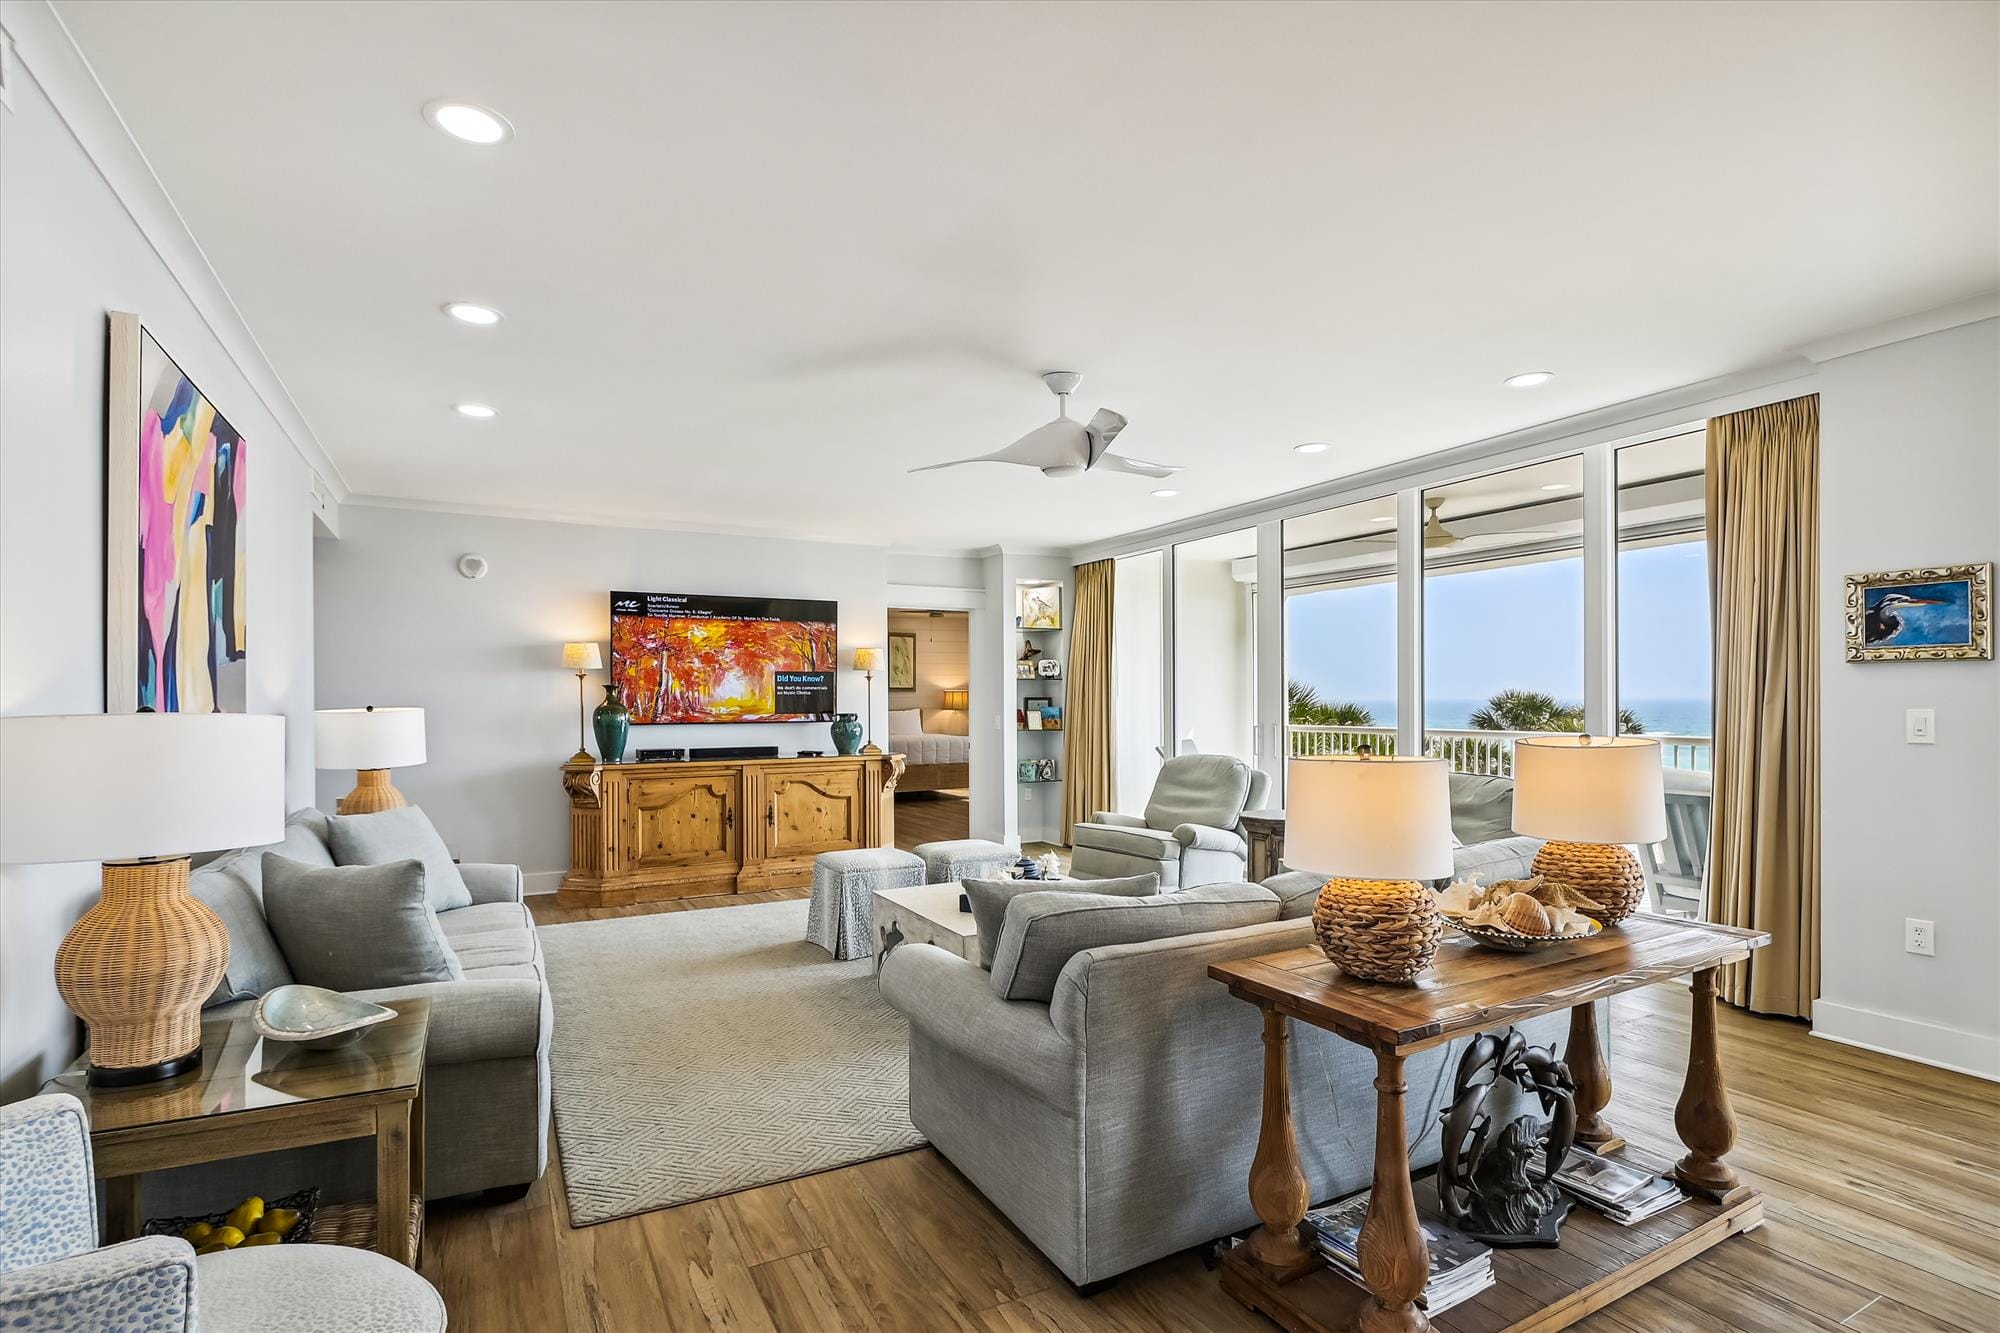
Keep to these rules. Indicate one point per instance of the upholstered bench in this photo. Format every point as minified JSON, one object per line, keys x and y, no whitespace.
{"x":840,"y":919}
{"x":964,"y":858}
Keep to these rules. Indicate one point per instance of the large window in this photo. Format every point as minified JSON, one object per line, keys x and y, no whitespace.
{"x":1663,"y":618}
{"x":1215,"y":645}
{"x":1138,"y":675}
{"x":1340,"y":629}
{"x":1503,"y":611}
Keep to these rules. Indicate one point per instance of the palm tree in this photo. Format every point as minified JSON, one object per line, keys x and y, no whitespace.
{"x":1532,"y":710}
{"x":1304,"y":708}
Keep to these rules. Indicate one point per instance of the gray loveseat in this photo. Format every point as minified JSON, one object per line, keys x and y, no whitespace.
{"x":486,"y":1072}
{"x":1116,"y":1124}
{"x":1191,"y":833}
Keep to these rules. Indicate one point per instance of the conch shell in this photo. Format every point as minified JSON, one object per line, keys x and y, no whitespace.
{"x":1520,"y":911}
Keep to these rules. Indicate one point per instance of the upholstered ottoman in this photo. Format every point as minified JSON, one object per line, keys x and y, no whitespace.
{"x":314,"y":1289}
{"x":964,"y":858}
{"x":840,"y":919}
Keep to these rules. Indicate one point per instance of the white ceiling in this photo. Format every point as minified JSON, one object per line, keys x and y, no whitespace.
{"x":759,"y":260}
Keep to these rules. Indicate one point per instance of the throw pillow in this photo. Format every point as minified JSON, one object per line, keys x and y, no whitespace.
{"x":356,"y":927}
{"x":1297,"y":890}
{"x":256,"y":963}
{"x":400,"y":835}
{"x":989,"y":898}
{"x":1045,"y":930}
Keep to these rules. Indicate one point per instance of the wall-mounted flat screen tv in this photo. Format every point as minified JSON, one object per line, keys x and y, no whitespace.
{"x":677,"y":658}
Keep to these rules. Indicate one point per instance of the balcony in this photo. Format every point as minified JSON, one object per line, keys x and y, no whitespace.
{"x":1471,"y":751}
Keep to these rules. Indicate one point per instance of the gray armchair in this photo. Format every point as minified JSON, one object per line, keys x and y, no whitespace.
{"x":1191,"y":833}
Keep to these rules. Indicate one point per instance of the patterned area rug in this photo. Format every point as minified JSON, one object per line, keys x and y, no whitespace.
{"x":700,"y":1053}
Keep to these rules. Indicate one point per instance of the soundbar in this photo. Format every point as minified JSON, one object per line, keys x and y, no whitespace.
{"x":734,"y":752}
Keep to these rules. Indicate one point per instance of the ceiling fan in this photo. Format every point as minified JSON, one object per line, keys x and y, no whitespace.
{"x":1438,"y":537}
{"x":1066,"y":448}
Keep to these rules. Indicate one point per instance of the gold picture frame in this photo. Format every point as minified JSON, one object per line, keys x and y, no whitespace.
{"x":1934,"y":613}
{"x":902,"y":661}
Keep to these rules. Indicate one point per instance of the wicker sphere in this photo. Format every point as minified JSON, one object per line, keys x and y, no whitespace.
{"x":1377,"y":929}
{"x":1603,"y":872}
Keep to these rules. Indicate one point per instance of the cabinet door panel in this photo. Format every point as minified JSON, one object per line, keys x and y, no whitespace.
{"x":813,"y":810}
{"x":682,"y":821}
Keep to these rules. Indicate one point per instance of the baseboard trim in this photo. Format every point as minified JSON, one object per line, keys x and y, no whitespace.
{"x":542,"y":881}
{"x":1908,"y":1039}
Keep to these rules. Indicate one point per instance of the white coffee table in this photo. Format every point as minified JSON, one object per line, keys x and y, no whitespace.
{"x":927,"y":914}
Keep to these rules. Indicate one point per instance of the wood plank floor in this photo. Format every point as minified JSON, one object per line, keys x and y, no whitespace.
{"x":931,"y":816}
{"x":1882,"y":1185}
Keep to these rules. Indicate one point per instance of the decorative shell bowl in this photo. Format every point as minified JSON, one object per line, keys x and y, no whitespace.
{"x":1499,"y":937}
{"x":316,"y":1018}
{"x":1520,"y":915}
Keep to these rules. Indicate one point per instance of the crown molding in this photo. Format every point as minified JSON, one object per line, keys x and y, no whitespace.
{"x":589,"y":519}
{"x":1934,"y":320}
{"x":47,"y":51}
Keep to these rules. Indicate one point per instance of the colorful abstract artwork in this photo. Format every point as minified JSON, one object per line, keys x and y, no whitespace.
{"x":175,"y":540}
{"x":681,"y":659}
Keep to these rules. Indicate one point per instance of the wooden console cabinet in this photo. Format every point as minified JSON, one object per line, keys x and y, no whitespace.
{"x":646,"y":832}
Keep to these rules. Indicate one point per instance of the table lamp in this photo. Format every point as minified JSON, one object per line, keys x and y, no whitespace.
{"x":1379,"y":825}
{"x":957,"y":701}
{"x":371,"y":741}
{"x":1588,"y":795}
{"x":865,"y":660}
{"x":139,"y":792}
{"x":581,"y":658}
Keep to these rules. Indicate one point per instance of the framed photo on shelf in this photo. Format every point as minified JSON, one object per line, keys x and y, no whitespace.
{"x":1035,"y":703}
{"x":1937,"y":613}
{"x":1038,"y":605}
{"x":1028,"y":771}
{"x":1024,"y":671}
{"x":1051,"y":717}
{"x":1045,"y":770}
{"x":1049,"y":668}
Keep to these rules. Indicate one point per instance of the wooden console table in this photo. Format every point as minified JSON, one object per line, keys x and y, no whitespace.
{"x":1468,"y":990}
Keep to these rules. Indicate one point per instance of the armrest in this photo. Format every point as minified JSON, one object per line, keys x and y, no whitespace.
{"x":1203,"y":838}
{"x":951,"y":1001}
{"x":1116,"y":820}
{"x":1149,"y":843}
{"x":493,"y":883}
{"x":508,"y":1018}
{"x":147,"y":1282}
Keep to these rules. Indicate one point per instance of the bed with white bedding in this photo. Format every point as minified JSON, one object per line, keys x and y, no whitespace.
{"x":932,"y":762}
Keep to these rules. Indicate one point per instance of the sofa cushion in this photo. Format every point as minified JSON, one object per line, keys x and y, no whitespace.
{"x":1145,"y":843}
{"x":1297,"y":891}
{"x":256,"y":964}
{"x":485,"y":919}
{"x":989,"y":898}
{"x":1043,"y":931}
{"x":398,"y":835}
{"x":1482,"y":807}
{"x":356,"y":927}
{"x":1491,"y":862}
{"x":1199,"y":789}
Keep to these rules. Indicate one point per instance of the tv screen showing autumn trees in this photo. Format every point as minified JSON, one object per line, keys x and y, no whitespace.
{"x":679,"y":658}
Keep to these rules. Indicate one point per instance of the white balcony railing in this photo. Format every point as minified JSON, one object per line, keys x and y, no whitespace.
{"x":1470,"y":751}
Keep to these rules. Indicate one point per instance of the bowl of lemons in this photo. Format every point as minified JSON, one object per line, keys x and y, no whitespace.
{"x":251,"y":1223}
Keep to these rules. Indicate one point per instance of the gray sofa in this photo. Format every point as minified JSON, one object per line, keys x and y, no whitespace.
{"x":486,"y":1070}
{"x":1116,"y":1124}
{"x":1191,"y":833}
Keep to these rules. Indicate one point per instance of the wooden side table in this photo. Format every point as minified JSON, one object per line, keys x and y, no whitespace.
{"x":1468,"y":990}
{"x":253,"y":1096}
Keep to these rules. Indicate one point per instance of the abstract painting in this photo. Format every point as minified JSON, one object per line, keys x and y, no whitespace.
{"x":175,"y":543}
{"x":902,"y":661}
{"x":1939,"y":613}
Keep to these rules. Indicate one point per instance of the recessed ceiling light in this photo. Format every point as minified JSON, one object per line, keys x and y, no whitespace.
{"x":474,"y":124}
{"x":1529,"y":379}
{"x":468,"y":313}
{"x":1310,"y":448}
{"x":1165,"y":495}
{"x":1556,"y":486}
{"x":477,"y":411}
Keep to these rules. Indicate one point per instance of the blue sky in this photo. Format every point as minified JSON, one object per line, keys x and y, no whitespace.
{"x":1518,"y":627}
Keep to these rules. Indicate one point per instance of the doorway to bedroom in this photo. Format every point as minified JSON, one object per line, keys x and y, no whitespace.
{"x":930,"y":683}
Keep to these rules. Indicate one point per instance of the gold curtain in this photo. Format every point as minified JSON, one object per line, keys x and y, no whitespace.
{"x":1763,"y":553}
{"x":1087,"y":718}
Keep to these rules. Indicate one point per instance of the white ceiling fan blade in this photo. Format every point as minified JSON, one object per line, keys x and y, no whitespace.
{"x":1120,"y":463}
{"x":1102,"y":430}
{"x":1058,"y":444}
{"x":961,"y":462}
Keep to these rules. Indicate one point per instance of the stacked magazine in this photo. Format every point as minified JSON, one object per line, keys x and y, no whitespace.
{"x":1461,"y":1267}
{"x":1627,"y":1188}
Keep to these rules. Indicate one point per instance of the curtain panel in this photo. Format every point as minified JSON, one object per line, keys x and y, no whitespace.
{"x":1087,"y":776}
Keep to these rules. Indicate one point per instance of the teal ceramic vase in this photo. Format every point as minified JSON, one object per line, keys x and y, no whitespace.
{"x":847,"y":733}
{"x":613,"y":724}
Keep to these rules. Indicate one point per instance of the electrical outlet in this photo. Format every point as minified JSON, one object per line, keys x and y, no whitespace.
{"x":1920,"y":937}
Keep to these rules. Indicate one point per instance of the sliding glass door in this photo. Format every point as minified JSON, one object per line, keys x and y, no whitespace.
{"x":1139,"y":675}
{"x":1215,"y":646}
{"x":1340,"y":629}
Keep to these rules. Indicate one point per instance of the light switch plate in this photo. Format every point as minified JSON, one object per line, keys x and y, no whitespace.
{"x":1920,"y":726}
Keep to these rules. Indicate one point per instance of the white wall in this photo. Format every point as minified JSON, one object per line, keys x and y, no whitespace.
{"x":1910,"y":475}
{"x":399,"y":625}
{"x":944,"y":662}
{"x":69,"y":253}
{"x":1138,"y":614}
{"x":1214,"y":690}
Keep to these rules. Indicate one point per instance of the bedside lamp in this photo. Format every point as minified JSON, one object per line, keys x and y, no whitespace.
{"x":581,"y":658}
{"x":865,"y":661}
{"x":1588,"y":795}
{"x":1379,"y":825}
{"x":957,"y":701}
{"x":371,"y":741}
{"x":140,"y":791}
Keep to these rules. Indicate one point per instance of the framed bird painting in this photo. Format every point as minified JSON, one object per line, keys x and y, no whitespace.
{"x":1921,"y":615}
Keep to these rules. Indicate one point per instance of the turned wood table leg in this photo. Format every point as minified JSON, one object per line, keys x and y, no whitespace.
{"x":1702,"y":1116}
{"x":1592,"y":1076}
{"x":1395,"y":1261}
{"x":1277,"y":1181}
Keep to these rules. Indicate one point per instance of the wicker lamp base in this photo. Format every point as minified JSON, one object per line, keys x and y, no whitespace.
{"x":136,"y":968}
{"x":374,"y":793}
{"x":1377,"y":929}
{"x":1603,"y":872}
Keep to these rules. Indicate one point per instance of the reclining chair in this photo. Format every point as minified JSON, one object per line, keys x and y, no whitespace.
{"x":1191,"y":833}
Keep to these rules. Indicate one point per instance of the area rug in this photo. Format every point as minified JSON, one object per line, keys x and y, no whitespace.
{"x":699,"y":1053}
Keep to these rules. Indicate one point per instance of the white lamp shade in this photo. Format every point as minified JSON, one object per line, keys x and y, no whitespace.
{"x":582,"y":657}
{"x":864,"y":659}
{"x":1386,"y":818}
{"x":1590,"y":789}
{"x":368,"y":737}
{"x":117,"y":786}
